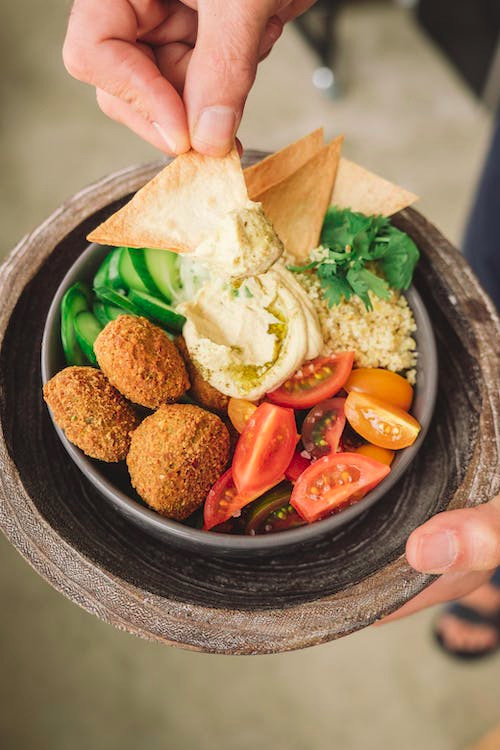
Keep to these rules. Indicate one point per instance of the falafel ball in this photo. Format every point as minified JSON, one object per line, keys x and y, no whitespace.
{"x":175,"y":457}
{"x":141,"y":361}
{"x":93,"y":415}
{"x":201,"y":391}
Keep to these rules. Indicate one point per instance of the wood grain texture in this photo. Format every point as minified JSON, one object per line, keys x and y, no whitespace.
{"x":99,"y":560}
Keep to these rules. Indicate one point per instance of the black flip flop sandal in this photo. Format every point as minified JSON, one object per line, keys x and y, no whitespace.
{"x":472,"y":616}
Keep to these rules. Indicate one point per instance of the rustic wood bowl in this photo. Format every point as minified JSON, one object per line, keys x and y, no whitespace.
{"x":96,"y":557}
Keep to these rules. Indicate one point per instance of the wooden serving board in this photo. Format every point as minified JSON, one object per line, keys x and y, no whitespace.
{"x":98,"y":559}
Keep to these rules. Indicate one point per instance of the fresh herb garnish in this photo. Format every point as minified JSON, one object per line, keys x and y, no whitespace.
{"x":353,"y":240}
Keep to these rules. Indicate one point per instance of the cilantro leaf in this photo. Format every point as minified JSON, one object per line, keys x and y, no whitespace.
{"x":400,"y":258}
{"x":334,"y":288}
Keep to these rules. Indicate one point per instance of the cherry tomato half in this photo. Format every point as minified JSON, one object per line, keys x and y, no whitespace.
{"x":379,"y":422}
{"x":323,"y":426}
{"x":349,"y":441}
{"x":384,"y":455}
{"x":297,"y":466}
{"x":239,"y":412}
{"x":333,"y":482}
{"x":382,"y":384}
{"x":265,"y":449}
{"x":273,"y":512}
{"x":315,"y":381}
{"x":223,"y":501}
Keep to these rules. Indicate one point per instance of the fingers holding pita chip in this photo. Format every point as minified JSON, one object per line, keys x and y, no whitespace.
{"x":297,"y":205}
{"x":280,"y":165}
{"x":180,"y":206}
{"x":360,"y":190}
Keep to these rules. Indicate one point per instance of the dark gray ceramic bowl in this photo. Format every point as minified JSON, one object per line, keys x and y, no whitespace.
{"x":112,"y":481}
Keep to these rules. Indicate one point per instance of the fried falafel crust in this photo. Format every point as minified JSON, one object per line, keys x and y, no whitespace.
{"x":93,"y":414}
{"x":175,"y":457}
{"x":201,"y":391}
{"x":140,"y":360}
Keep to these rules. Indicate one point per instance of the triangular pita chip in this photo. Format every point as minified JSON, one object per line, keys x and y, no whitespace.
{"x":280,"y":165}
{"x":297,"y":206}
{"x":360,"y":190}
{"x":180,"y":206}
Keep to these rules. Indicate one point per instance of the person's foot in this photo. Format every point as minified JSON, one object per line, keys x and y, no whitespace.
{"x":459,"y":634}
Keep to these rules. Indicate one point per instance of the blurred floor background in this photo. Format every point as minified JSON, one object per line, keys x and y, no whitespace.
{"x":67,"y":681}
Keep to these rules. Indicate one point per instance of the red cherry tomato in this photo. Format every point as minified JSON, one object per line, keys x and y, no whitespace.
{"x":323,"y":426}
{"x":273,"y":512}
{"x":297,"y":466}
{"x":315,"y":381}
{"x":350,"y":440}
{"x":333,"y":482}
{"x":264,"y":449}
{"x":223,"y":501}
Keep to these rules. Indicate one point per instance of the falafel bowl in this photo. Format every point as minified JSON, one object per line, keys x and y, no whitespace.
{"x":237,"y":410}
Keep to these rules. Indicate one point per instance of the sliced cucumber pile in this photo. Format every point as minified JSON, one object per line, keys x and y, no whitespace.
{"x":129,"y":281}
{"x":79,"y":327}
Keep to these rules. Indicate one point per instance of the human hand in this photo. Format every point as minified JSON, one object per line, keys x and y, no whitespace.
{"x":176,"y":73}
{"x":461,"y":545}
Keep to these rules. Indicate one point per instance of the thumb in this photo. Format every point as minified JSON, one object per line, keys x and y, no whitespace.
{"x":457,"y":540}
{"x":222,"y":69}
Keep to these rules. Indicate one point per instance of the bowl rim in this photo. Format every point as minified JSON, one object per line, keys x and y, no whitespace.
{"x":163,"y":527}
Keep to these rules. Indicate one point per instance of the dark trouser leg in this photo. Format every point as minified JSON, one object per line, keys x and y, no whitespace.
{"x":482,"y":238}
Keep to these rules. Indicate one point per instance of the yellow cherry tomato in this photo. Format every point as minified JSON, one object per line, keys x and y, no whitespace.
{"x":380,"y":423}
{"x":384,"y":455}
{"x":239,"y":412}
{"x":382,"y":384}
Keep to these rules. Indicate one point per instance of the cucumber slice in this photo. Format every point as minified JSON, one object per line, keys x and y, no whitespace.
{"x":138,"y":258}
{"x":87,"y":329}
{"x":99,"y":310}
{"x":101,"y":277}
{"x":75,"y":301}
{"x":129,"y":276}
{"x":157,"y":310}
{"x":115,"y":280}
{"x":163,"y":266}
{"x":114,"y":312}
{"x":117,"y":299}
{"x":106,"y":313}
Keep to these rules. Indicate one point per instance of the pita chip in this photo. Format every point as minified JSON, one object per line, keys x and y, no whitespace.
{"x":277,"y":167}
{"x":360,"y":190}
{"x":297,"y":205}
{"x":180,"y":206}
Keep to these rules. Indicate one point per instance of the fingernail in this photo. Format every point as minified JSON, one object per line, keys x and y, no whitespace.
{"x":169,"y":141}
{"x":216,"y":127}
{"x":436,"y":552}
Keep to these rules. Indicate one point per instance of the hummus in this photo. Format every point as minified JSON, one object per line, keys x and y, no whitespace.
{"x":244,"y":243}
{"x":248,"y":336}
